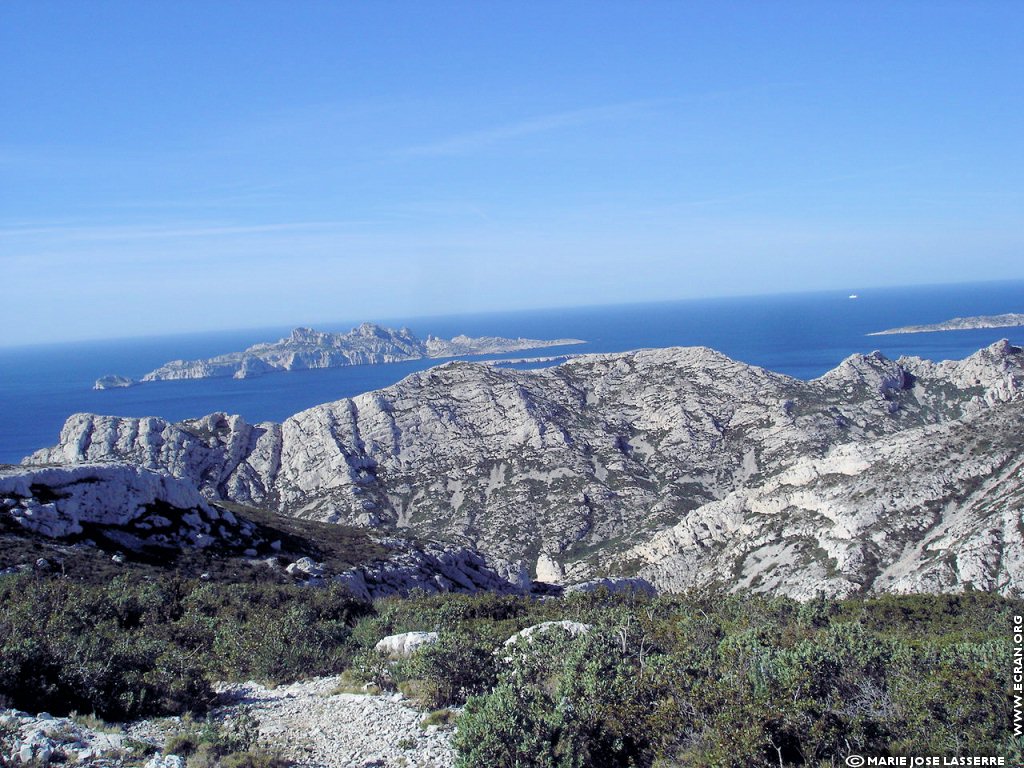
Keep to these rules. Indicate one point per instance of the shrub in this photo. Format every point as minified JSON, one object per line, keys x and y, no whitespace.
{"x":749,"y":681}
{"x":442,"y":718}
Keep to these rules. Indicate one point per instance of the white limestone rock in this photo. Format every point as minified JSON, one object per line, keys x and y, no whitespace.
{"x":938,"y":508}
{"x":549,"y":570}
{"x":121,"y":502}
{"x":165,"y":761}
{"x":528,"y":635}
{"x":43,"y":740}
{"x":431,"y":567}
{"x":114,"y":382}
{"x":404,"y":645}
{"x":305,"y":566}
{"x":515,"y":572}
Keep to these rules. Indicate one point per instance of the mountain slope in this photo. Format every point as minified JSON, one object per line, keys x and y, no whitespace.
{"x":936,"y":508}
{"x":576,"y":462}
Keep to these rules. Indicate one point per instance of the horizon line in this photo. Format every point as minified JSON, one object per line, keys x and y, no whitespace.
{"x":842,"y":292}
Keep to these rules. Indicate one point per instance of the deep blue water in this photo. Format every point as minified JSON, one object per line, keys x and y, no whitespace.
{"x":802,"y":335}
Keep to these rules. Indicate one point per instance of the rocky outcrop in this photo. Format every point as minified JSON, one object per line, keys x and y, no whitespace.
{"x":528,"y":635}
{"x":114,"y":382}
{"x":1009,"y":320}
{"x":586,"y":461}
{"x":120,"y":504}
{"x":430,"y":567}
{"x":42,"y":739}
{"x":934,"y":509}
{"x":306,"y":349}
{"x":124,"y":507}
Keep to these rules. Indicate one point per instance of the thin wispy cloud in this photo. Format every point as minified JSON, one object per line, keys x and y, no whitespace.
{"x":148,"y":232}
{"x":252,"y":196}
{"x":474,"y":141}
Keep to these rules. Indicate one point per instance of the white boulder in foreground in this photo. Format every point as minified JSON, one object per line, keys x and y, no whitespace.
{"x":406,"y":644}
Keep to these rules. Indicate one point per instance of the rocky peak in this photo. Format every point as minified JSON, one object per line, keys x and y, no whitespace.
{"x":304,"y":336}
{"x":372,"y":329}
{"x":871,"y":372}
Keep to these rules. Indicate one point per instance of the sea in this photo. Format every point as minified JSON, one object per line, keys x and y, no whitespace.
{"x":802,"y":335}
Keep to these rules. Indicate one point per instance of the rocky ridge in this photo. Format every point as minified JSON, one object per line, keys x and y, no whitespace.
{"x":595,"y":464}
{"x":136,"y":512}
{"x":432,"y":567}
{"x":122,"y":505}
{"x":307,"y":349}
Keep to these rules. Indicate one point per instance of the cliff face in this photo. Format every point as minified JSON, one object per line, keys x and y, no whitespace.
{"x":932,"y":509}
{"x":624,"y":461}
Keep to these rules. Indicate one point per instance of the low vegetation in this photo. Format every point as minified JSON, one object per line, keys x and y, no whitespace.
{"x":131,"y":648}
{"x":230,"y":744}
{"x":693,"y":680}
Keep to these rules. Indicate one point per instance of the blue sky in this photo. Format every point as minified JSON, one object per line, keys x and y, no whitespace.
{"x":175,"y":166}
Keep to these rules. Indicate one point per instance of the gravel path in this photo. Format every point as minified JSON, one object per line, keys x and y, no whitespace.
{"x":304,"y":721}
{"x":320,"y":730}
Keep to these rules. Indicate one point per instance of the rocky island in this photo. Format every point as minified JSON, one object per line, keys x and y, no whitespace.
{"x":306,"y":348}
{"x":1009,"y":320}
{"x":114,"y":382}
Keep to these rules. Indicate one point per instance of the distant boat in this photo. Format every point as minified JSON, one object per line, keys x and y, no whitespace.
{"x":853,"y":296}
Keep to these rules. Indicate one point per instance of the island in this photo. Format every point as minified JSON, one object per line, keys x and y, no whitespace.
{"x":1009,"y":320}
{"x":114,"y":382}
{"x":306,"y":349}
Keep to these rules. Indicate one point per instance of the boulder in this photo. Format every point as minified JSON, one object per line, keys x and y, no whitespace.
{"x":306,"y":566}
{"x":572,"y":628}
{"x":549,"y":570}
{"x":404,"y":645}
